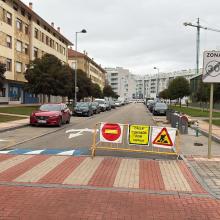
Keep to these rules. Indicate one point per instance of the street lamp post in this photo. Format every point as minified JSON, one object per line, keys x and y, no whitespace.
{"x":157,"y":80}
{"x":82,"y":32}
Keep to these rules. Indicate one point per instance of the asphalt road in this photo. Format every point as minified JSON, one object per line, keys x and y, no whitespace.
{"x":57,"y":138}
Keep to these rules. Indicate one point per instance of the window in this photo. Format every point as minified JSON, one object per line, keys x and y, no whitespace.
{"x":23,"y":12}
{"x":18,"y":67}
{"x":36,"y":33}
{"x":35,"y":53}
{"x":47,"y":40}
{"x":56,"y":47}
{"x":19,"y":46}
{"x":8,"y":41}
{"x":8,"y":18}
{"x":26,"y":29}
{"x":19,"y":24}
{"x":8,"y":64}
{"x":2,"y":92}
{"x":26,"y":48}
{"x":42,"y":37}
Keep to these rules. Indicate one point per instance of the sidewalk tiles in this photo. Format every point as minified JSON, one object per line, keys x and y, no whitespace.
{"x":101,"y":172}
{"x":209,"y":171}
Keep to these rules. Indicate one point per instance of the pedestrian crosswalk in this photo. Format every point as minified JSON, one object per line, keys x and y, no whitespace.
{"x":42,"y":151}
{"x":106,"y":172}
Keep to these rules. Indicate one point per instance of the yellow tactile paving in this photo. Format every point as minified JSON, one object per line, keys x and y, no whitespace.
{"x":37,"y":172}
{"x":84,"y":172}
{"x":173,"y":177}
{"x":128,"y":174}
{"x":6,"y":164}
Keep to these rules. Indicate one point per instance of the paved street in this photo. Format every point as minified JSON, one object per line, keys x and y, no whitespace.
{"x":57,"y":138}
{"x":61,"y":186}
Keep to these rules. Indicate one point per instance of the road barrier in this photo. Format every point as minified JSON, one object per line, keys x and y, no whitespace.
{"x":135,"y":138}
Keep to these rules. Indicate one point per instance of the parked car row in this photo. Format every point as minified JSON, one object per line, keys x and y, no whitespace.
{"x":95,"y":107}
{"x":58,"y":113}
{"x":156,"y":107}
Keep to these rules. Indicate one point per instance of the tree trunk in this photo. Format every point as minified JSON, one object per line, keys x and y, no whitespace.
{"x":180,"y":103}
{"x":48,"y":96}
{"x":44,"y":98}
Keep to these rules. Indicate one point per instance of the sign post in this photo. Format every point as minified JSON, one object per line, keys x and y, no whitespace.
{"x":210,"y":121}
{"x":211,"y":74}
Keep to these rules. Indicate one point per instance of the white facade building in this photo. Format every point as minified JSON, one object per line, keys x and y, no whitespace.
{"x":159,"y":82}
{"x":131,"y":86}
{"x":121,"y":81}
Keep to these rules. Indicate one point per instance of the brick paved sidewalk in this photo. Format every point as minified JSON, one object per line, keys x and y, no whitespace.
{"x":67,"y":187}
{"x":209,"y":172}
{"x":143,"y":175}
{"x":75,"y":204}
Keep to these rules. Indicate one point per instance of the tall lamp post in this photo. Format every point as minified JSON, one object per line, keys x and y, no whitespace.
{"x":157,"y":80}
{"x":83,"y":31}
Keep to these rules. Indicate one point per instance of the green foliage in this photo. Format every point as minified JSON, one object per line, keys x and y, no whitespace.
{"x":202,"y":94}
{"x":194,"y":112}
{"x":19,"y":110}
{"x":164,"y":94}
{"x":178,"y":88}
{"x":2,"y":72}
{"x":84,"y":84}
{"x":44,"y":75}
{"x":49,"y":76}
{"x":96,"y":91}
{"x":108,"y":92}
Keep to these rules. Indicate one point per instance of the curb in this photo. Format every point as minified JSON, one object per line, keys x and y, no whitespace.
{"x":199,"y":179}
{"x":13,"y":128}
{"x":205,"y":133}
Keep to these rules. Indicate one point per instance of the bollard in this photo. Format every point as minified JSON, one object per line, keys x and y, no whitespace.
{"x":197,"y":129}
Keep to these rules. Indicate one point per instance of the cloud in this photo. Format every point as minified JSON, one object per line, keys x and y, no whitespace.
{"x":136,"y":34}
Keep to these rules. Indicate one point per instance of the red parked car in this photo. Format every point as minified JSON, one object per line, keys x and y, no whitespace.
{"x":51,"y":114}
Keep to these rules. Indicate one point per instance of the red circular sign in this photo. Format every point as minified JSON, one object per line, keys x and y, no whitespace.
{"x":111,"y":132}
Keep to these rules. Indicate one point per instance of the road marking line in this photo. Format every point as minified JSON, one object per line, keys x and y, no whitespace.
{"x":67,"y":153}
{"x":84,"y":172}
{"x":6,"y":164}
{"x":35,"y":152}
{"x":128,"y":174}
{"x":5,"y":151}
{"x":39,"y":171}
{"x":172,"y":176}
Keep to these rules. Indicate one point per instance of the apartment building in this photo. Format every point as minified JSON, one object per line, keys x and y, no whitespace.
{"x":24,"y":36}
{"x":154,"y":84}
{"x":83,"y":62}
{"x":122,"y":82}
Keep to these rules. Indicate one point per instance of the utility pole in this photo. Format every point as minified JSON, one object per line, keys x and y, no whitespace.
{"x":198,"y":27}
{"x":197,"y":47}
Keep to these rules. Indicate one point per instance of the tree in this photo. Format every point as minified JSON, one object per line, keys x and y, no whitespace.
{"x":2,"y":72}
{"x":178,"y":88}
{"x":96,"y":91}
{"x":48,"y":76}
{"x":164,"y":94}
{"x":108,"y":92}
{"x":84,"y":84}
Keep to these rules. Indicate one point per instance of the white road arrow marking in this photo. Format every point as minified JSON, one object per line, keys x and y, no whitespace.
{"x":78,"y":132}
{"x":3,"y":140}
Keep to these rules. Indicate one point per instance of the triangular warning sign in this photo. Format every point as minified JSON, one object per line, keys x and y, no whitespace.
{"x":163,"y":138}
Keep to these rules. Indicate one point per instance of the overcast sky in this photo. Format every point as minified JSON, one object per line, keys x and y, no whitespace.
{"x":136,"y":34}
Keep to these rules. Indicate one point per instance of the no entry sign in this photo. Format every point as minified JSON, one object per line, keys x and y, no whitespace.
{"x":111,"y":133}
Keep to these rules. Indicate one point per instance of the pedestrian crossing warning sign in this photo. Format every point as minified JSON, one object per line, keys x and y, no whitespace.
{"x":163,"y":137}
